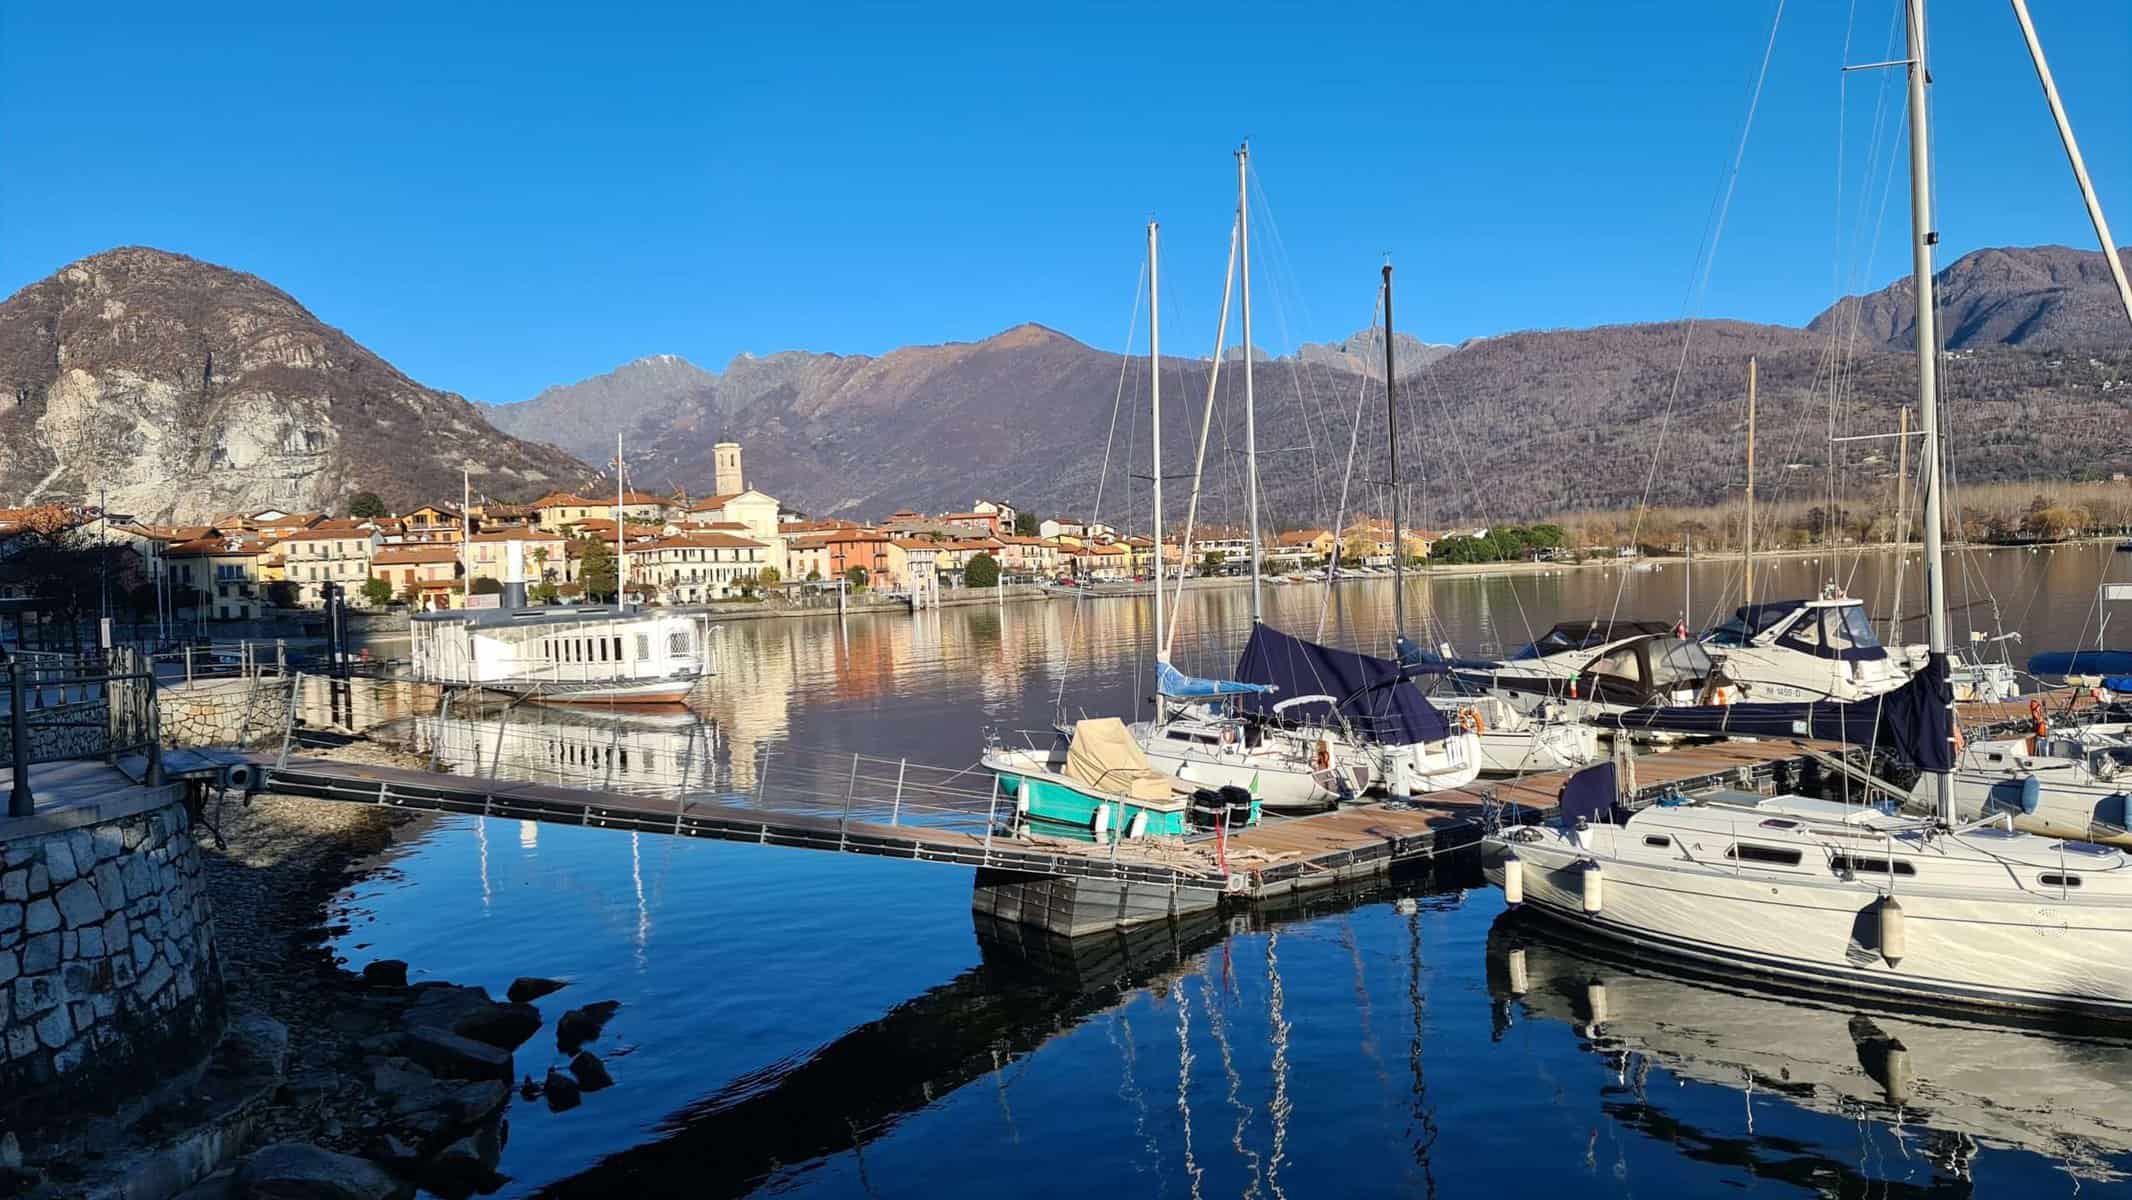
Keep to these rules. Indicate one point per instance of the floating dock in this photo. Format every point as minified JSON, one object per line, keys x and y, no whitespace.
{"x":1063,"y":886}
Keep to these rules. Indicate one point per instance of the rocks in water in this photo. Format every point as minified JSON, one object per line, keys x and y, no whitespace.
{"x":531,"y":987}
{"x":505,"y":1026}
{"x":466,"y":1165}
{"x":296,"y":1171}
{"x":581,"y":1025}
{"x":446,"y":1053}
{"x":385,"y":972}
{"x":590,"y":1071}
{"x":442,"y":1006}
{"x":561,"y":1090}
{"x":473,"y":1103}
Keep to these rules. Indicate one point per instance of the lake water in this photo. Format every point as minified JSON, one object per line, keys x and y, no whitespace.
{"x":800,"y":1023}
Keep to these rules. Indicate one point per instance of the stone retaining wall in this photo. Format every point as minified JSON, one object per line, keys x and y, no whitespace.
{"x":108,"y":975}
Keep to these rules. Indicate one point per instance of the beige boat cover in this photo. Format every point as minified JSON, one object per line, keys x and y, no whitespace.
{"x":1104,"y":756}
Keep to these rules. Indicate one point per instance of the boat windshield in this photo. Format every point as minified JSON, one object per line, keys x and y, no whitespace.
{"x":1675,"y":661}
{"x":1839,"y":632}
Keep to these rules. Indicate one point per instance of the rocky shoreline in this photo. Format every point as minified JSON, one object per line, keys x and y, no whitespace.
{"x":333,"y":1081}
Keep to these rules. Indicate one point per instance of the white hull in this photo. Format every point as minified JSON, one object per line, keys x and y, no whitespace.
{"x":1279,"y":772}
{"x":671,"y":690}
{"x":1990,"y":934}
{"x":1538,"y":749}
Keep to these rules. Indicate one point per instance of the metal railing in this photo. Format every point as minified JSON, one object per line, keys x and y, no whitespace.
{"x":62,"y":708}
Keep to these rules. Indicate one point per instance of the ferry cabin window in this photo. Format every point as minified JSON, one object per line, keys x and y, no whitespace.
{"x":601,"y":645}
{"x":643,"y":646}
{"x":1775,"y":855}
{"x":618,"y":647}
{"x":677,"y":642}
{"x":1863,"y":863}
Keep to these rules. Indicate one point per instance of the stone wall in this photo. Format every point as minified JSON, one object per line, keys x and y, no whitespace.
{"x":108,"y":975}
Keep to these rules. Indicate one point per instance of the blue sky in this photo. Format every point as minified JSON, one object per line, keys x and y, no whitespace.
{"x":501,"y":197}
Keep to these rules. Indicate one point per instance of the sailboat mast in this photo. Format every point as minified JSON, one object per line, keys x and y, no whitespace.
{"x":1243,"y":233}
{"x":1922,"y":238}
{"x":1902,"y":522}
{"x":1747,"y":530}
{"x":1391,"y":426}
{"x":1154,"y":356}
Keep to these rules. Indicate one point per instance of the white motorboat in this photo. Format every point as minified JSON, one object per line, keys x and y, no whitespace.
{"x":1818,"y":893}
{"x":1603,"y":667}
{"x":1821,"y":649}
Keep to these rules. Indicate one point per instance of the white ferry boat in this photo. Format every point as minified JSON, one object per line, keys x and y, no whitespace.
{"x":572,"y":654}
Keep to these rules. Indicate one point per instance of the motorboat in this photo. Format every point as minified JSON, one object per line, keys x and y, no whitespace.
{"x":1819,"y":649}
{"x":1602,"y":667}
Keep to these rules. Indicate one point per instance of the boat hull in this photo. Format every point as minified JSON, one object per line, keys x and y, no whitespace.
{"x":1058,"y":802}
{"x":645,"y":691}
{"x":2068,"y":956}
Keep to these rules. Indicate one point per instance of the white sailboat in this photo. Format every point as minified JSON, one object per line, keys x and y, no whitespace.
{"x":1827,"y":894}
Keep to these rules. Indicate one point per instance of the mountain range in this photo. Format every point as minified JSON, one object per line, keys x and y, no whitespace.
{"x":1516,"y":425}
{"x":187,"y":390}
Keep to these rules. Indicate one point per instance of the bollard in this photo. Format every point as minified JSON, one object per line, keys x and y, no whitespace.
{"x":19,"y":801}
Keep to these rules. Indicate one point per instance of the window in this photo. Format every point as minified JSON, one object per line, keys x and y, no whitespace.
{"x":1775,"y":855}
{"x":2060,"y":881}
{"x":1858,"y":864}
{"x":601,"y":643}
{"x":618,"y":647}
{"x":677,"y":642}
{"x":1658,"y":841}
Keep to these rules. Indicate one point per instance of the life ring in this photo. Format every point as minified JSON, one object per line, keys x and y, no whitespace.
{"x":2035,"y":718}
{"x":1469,"y":719}
{"x":1228,"y":735}
{"x":1325,"y":753}
{"x":1960,"y":743}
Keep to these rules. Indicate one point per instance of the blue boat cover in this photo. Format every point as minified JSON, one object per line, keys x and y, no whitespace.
{"x":1915,"y":721}
{"x":1413,"y":660}
{"x":1177,"y":685}
{"x":2118,"y":683}
{"x":1589,"y":794}
{"x":2081,"y":662}
{"x":1373,"y":696}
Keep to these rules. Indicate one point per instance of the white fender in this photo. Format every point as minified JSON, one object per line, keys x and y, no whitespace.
{"x":1138,"y":828}
{"x":1592,"y":896}
{"x":1101,"y":824}
{"x":1892,"y":946}
{"x":1513,"y":881}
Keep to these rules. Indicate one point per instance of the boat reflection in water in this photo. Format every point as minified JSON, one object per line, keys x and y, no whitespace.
{"x":1946,"y":1088}
{"x":1027,"y":988}
{"x":656,"y":752}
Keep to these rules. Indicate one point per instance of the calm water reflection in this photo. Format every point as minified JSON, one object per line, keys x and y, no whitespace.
{"x":813,"y":1024}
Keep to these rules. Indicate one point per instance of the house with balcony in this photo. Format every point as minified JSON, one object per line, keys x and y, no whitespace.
{"x":695,"y":568}
{"x":218,"y":576}
{"x":425,"y":576}
{"x":335,"y":551}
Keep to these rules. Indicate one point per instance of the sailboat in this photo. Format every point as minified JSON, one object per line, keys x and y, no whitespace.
{"x":1822,"y":893}
{"x":1100,"y":776}
{"x":1302,"y":725}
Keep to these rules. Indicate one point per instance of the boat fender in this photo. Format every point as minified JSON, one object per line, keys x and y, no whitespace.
{"x":2031,"y":794}
{"x":1100,"y":824}
{"x":1138,"y":829}
{"x":1513,"y":879}
{"x":1890,"y":916}
{"x":1519,"y":983}
{"x":1325,"y":753}
{"x":1592,"y":896}
{"x":1021,"y":802}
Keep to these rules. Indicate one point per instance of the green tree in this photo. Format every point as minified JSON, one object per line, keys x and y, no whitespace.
{"x":542,"y":592}
{"x":366,"y":505}
{"x":769,"y":577}
{"x":981,"y":571}
{"x":1211,"y":561}
{"x":596,"y":568}
{"x":540,"y":561}
{"x":1025,"y":524}
{"x":814,"y":576}
{"x":377,"y":592}
{"x":856,"y":576}
{"x":281,"y":594}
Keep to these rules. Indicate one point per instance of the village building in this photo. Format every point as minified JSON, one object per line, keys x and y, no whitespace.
{"x":336,"y":551}
{"x":425,"y":576}
{"x":694,"y":568}
{"x":541,"y":553}
{"x":218,"y":575}
{"x":1000,"y":509}
{"x":558,"y":510}
{"x":432,"y":523}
